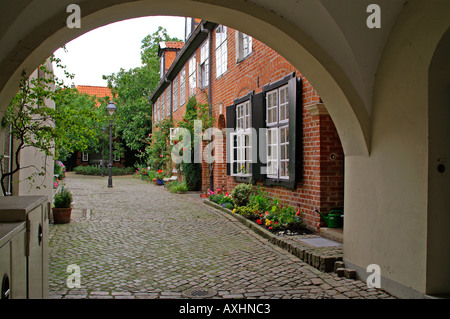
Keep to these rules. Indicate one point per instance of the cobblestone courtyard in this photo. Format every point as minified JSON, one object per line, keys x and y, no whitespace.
{"x":140,"y":241}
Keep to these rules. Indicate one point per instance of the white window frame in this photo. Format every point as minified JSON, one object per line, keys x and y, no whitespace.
{"x":243,"y":160}
{"x":169,"y":98}
{"x":163,"y":105}
{"x":183,"y":86}
{"x":192,"y":75}
{"x":175,"y":94}
{"x":162,"y":66}
{"x":243,"y":133}
{"x":85,"y":156}
{"x":7,"y":150}
{"x":221,"y":50}
{"x":275,"y":103}
{"x":244,"y":46}
{"x":204,"y":64}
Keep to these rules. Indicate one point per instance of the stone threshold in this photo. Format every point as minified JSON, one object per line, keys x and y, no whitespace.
{"x":321,"y":258}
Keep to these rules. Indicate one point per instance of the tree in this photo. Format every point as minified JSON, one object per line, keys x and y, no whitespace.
{"x":79,"y":122}
{"x":132,"y":90}
{"x":30,"y":121}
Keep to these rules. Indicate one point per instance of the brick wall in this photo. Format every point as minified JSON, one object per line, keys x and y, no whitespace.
{"x":322,"y":183}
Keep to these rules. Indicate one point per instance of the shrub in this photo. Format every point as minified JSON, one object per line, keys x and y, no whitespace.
{"x":261,"y":200}
{"x":93,"y":170}
{"x":222,"y":199}
{"x":63,"y":199}
{"x":241,"y":194}
{"x":177,"y":187}
{"x":250,"y":212}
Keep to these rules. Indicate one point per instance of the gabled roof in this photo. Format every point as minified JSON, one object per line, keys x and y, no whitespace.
{"x":195,"y":40}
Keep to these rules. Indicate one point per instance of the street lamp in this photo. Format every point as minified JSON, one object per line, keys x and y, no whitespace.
{"x":103,"y":150}
{"x":111,"y":108}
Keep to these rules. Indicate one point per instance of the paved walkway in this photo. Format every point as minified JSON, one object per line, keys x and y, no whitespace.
{"x":137,"y":240}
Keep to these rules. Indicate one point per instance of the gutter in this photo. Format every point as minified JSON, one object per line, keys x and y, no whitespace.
{"x":194,"y":41}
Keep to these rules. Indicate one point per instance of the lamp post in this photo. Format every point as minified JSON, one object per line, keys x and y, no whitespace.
{"x":103,"y":150}
{"x":111,"y":108}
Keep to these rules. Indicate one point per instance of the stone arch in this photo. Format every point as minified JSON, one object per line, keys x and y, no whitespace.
{"x":31,"y":38}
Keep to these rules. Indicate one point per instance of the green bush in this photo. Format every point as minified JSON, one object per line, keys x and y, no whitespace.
{"x":222,"y":199}
{"x":63,"y":199}
{"x":241,"y":194}
{"x":261,"y":200}
{"x":177,"y":187}
{"x":250,"y":212}
{"x":93,"y":170}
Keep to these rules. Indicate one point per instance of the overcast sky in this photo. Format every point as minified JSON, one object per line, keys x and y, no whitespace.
{"x":105,"y":50}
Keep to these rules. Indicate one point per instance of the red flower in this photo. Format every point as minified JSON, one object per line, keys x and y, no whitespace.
{"x":160,"y":171}
{"x":259,"y":221}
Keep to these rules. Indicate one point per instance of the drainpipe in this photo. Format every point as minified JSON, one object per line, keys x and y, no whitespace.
{"x":171,"y":97}
{"x":211,"y":165}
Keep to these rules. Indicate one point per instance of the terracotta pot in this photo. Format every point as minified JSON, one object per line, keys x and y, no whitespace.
{"x":154,"y":181}
{"x":61,"y":215}
{"x":204,"y":195}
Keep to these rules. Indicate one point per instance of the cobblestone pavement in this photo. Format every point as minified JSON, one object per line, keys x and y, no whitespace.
{"x":138,"y":241}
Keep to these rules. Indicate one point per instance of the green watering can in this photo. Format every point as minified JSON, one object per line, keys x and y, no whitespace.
{"x":334,"y":219}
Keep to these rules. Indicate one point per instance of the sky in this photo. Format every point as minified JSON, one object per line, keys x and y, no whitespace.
{"x":105,"y":50}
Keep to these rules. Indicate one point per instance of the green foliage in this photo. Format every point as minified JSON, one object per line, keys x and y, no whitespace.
{"x":261,"y":200}
{"x":145,"y":173}
{"x":221,"y":198}
{"x":63,"y":199}
{"x":194,"y":111}
{"x":250,"y":212}
{"x":79,"y":122}
{"x":157,"y":154}
{"x":30,"y":120}
{"x":241,"y":194}
{"x":132,"y":89}
{"x":177,"y":187}
{"x":59,"y":169}
{"x":93,"y":170}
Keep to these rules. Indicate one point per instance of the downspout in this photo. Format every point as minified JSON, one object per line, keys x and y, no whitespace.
{"x":171,"y":98}
{"x":211,"y":165}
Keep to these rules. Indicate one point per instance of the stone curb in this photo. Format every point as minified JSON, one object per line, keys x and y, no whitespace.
{"x":321,"y":258}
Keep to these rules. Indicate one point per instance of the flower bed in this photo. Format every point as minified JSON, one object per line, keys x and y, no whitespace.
{"x":256,"y":205}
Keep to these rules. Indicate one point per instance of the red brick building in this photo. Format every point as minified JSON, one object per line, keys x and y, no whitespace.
{"x":278,"y":131}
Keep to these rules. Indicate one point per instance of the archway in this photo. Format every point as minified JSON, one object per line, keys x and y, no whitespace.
{"x":438,"y":258}
{"x":40,"y":36}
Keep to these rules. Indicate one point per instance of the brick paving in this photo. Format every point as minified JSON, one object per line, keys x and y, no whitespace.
{"x":138,"y":241}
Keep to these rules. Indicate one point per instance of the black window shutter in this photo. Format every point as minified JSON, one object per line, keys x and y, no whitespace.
{"x":295,"y":132}
{"x":258,"y":141}
{"x":231,"y":125}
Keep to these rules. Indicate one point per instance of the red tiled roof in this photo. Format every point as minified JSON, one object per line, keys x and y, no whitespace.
{"x":99,"y":91}
{"x":174,"y":44}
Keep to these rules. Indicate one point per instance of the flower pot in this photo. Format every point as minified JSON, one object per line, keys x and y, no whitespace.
{"x":159,"y":182}
{"x":204,"y":195}
{"x":154,"y":181}
{"x":61,"y":215}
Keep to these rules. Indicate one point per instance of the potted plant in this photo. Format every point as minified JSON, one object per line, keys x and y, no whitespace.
{"x":62,"y":209}
{"x":160,"y":177}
